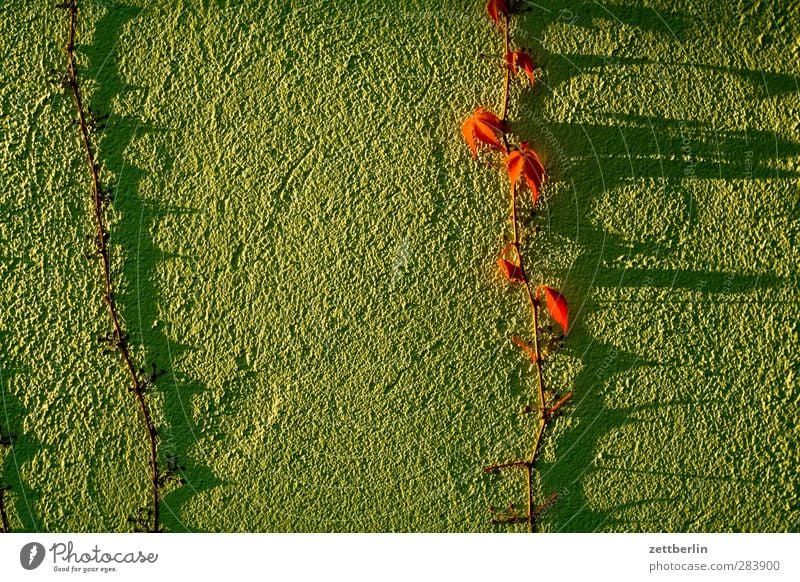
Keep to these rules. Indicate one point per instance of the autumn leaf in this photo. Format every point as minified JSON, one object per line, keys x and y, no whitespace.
{"x":511,"y":270}
{"x":525,"y":161}
{"x":485,"y":127}
{"x":520,"y":59}
{"x":514,"y":163}
{"x":495,"y":8}
{"x":556,"y":305}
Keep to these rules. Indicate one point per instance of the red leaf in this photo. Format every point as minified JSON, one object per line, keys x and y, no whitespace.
{"x":485,"y":127}
{"x":523,"y":60}
{"x":514,"y":162}
{"x":468,"y":131}
{"x":557,"y":306}
{"x":525,"y":161}
{"x":534,"y":172}
{"x":510,"y":62}
{"x":495,"y":8}
{"x":488,"y":125}
{"x":511,"y":271}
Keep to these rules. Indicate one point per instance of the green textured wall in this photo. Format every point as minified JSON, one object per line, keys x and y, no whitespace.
{"x":303,"y":242}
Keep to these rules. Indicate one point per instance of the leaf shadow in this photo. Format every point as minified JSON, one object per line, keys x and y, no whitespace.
{"x":672,"y":25}
{"x":590,"y":160}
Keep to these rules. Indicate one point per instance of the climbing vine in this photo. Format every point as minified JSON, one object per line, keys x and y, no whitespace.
{"x":141,"y":380}
{"x":524,"y":168}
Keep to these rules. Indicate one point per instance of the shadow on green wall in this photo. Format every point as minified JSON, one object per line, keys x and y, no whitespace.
{"x":593,"y":160}
{"x":140,"y":216}
{"x":16,"y":449}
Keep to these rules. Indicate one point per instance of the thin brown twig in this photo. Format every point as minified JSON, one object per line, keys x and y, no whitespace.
{"x":491,"y":57}
{"x":513,"y":519}
{"x":120,"y":337}
{"x":543,"y":418}
{"x":547,"y":504}
{"x":491,"y":468}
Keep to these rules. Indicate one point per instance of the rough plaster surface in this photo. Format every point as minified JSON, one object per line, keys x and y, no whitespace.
{"x":302,"y":240}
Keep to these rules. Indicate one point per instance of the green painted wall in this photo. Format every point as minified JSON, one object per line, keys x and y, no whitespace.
{"x":302,"y":240}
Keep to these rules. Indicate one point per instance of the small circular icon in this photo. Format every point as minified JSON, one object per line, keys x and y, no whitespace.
{"x":31,"y":555}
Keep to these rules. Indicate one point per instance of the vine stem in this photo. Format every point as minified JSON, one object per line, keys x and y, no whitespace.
{"x":120,"y":341}
{"x":527,"y":465}
{"x":534,"y":304}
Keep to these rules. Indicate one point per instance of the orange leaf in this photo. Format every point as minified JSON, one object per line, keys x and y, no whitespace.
{"x":525,"y":347}
{"x":468,"y":131}
{"x":523,"y":60}
{"x":510,"y":62}
{"x":533,"y":170}
{"x":514,"y":162}
{"x":485,"y":127}
{"x":511,"y":271}
{"x":495,"y":8}
{"x":525,"y":161}
{"x":489,"y":128}
{"x":486,"y":135}
{"x":557,"y":306}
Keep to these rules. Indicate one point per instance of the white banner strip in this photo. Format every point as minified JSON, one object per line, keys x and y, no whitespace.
{"x":377,"y":557}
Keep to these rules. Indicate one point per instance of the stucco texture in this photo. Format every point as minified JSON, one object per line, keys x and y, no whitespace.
{"x":301,"y":239}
